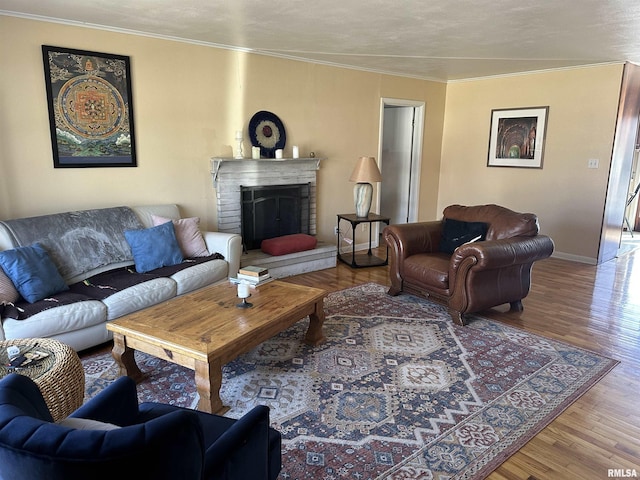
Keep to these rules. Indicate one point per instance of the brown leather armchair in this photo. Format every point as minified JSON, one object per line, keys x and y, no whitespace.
{"x":479,"y":274}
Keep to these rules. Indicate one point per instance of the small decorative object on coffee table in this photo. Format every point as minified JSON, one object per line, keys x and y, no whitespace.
{"x":58,"y":372}
{"x":250,"y":277}
{"x":244,"y":293}
{"x":253,"y":274}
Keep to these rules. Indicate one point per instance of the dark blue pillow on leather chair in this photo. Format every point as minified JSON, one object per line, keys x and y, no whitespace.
{"x":456,"y":233}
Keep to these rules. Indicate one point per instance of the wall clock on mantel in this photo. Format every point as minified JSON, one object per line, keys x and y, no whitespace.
{"x":267,"y":132}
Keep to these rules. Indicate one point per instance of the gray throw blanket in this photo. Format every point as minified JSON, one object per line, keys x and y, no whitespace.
{"x":81,"y":241}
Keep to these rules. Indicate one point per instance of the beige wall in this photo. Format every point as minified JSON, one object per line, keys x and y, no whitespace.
{"x":188,"y":102}
{"x":567,"y":196}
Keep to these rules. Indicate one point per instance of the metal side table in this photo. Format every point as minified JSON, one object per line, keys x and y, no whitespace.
{"x":362,"y":260}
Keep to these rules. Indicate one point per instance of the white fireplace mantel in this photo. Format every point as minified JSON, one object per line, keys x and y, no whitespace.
{"x":248,"y":164}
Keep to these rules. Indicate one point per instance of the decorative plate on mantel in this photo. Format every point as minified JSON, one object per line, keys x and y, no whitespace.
{"x":267,"y":132}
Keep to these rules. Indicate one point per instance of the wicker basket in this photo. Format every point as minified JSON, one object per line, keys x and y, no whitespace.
{"x":59,"y":376}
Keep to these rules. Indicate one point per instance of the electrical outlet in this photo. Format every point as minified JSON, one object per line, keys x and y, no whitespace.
{"x":593,"y":163}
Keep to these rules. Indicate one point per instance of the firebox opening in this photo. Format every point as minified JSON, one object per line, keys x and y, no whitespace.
{"x":272,"y":211}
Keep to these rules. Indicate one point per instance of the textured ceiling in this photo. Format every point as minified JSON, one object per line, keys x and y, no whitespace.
{"x":437,"y":40}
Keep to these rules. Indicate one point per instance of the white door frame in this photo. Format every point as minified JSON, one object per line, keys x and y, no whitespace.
{"x":416,"y":165}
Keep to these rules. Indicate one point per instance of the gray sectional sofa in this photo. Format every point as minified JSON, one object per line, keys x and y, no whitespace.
{"x":92,"y":255}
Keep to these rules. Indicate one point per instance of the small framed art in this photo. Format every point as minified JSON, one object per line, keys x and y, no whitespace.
{"x":516,"y":137}
{"x":90,"y":108}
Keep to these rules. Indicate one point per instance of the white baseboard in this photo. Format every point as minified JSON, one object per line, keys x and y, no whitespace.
{"x":575,"y":258}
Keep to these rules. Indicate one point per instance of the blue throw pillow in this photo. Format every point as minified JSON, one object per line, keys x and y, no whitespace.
{"x":32,"y":272}
{"x":154,"y":247}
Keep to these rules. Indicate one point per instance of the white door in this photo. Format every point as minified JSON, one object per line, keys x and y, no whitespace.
{"x":400,"y":155}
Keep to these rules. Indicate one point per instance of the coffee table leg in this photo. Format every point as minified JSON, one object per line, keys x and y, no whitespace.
{"x":124,"y":357}
{"x":315,"y":335}
{"x":208,"y":383}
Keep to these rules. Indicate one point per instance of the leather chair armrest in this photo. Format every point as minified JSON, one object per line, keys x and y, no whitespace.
{"x":503,"y":253}
{"x":405,"y":240}
{"x":410,"y":238}
{"x":486,"y":274}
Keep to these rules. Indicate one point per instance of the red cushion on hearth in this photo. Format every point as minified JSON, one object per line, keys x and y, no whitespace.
{"x":298,"y":242}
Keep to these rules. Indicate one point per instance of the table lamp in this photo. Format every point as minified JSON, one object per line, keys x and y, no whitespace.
{"x":365,"y":172}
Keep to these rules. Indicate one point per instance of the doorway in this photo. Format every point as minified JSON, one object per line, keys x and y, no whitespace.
{"x":630,"y":239}
{"x":624,"y":142}
{"x":632,"y":212}
{"x":401,"y":127}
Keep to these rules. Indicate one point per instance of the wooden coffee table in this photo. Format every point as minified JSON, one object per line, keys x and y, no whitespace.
{"x":203,"y":330}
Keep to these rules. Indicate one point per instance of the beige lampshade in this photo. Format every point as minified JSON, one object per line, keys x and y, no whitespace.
{"x":366,"y":170}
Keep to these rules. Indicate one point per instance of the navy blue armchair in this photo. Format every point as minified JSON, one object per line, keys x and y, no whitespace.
{"x":131,"y":440}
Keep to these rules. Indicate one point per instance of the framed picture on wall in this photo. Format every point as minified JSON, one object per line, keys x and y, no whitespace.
{"x":516,"y":137}
{"x":90,"y":108}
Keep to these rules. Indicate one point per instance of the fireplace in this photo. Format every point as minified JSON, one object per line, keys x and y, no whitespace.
{"x":231,"y":176}
{"x":270,"y":211}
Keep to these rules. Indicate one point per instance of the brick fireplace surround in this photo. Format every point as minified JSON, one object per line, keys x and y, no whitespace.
{"x":229,"y":174}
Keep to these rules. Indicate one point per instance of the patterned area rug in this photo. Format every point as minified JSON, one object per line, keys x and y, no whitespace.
{"x":396,"y":392}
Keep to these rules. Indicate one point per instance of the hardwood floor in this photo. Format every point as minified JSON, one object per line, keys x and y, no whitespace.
{"x":596,"y":308}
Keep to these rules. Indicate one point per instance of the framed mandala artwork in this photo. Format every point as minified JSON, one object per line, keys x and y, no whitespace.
{"x":90,"y":108}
